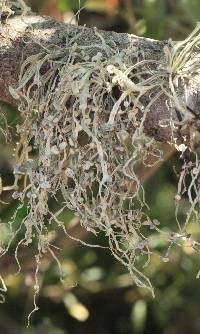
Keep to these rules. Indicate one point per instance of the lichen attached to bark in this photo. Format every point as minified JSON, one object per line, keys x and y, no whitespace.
{"x":83,"y":137}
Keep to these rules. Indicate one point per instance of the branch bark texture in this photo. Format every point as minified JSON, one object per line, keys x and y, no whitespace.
{"x":24,"y":37}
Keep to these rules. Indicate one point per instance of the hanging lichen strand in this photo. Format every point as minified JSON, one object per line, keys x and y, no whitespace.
{"x":85,"y":115}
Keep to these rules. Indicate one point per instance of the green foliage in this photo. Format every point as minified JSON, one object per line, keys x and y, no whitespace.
{"x":65,"y":5}
{"x":154,"y":15}
{"x":151,"y":18}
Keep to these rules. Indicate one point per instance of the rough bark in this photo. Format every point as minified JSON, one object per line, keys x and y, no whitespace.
{"x":21,"y":37}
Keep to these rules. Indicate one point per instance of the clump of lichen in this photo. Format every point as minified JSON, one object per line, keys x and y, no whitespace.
{"x":10,"y":7}
{"x":84,"y":117}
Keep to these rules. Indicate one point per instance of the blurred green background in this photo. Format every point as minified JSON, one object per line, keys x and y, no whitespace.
{"x":98,"y":295}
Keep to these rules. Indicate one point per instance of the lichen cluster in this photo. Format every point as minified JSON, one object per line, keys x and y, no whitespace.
{"x":83,"y":136}
{"x":9,"y":7}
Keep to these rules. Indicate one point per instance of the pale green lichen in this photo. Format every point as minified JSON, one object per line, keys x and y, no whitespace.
{"x":90,"y":139}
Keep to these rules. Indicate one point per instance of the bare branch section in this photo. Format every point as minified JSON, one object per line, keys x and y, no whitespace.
{"x":22,"y":37}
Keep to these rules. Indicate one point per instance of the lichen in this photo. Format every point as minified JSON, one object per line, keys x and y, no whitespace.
{"x":84,"y":117}
{"x":10,"y":7}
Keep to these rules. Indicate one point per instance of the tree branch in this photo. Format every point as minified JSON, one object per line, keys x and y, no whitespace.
{"x":88,"y":98}
{"x":22,"y":37}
